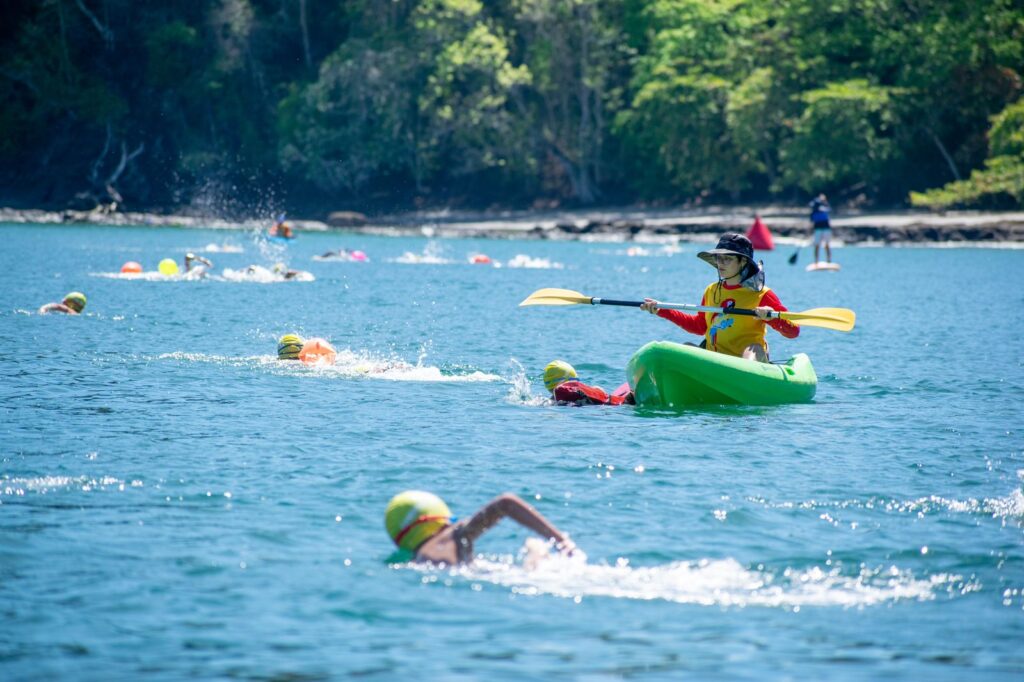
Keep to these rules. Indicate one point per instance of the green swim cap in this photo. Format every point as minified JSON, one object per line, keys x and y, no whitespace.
{"x":558,"y":372}
{"x":413,"y":517}
{"x":75,"y":300}
{"x":288,"y":347}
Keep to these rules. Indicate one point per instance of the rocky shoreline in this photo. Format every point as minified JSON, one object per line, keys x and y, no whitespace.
{"x":786,"y":224}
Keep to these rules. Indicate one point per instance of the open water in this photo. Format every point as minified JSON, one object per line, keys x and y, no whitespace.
{"x":175,"y":503}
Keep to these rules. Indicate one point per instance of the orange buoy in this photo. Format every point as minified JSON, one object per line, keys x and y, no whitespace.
{"x":131,"y":267}
{"x":317,"y":351}
{"x":480,"y":259}
{"x":759,"y":235}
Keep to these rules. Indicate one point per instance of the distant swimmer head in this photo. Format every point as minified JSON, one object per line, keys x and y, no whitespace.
{"x":168,"y":267}
{"x":413,"y":517}
{"x":288,"y":347}
{"x":558,"y":372}
{"x":317,"y":352}
{"x":131,"y":267}
{"x":75,"y":300}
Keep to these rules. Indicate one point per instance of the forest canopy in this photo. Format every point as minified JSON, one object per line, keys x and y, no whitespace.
{"x":367,"y":104}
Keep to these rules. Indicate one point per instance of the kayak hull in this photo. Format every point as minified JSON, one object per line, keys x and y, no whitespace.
{"x":666,"y":374}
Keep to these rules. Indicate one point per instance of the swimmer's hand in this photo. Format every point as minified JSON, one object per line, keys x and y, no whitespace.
{"x":536,"y":552}
{"x":763,"y":312}
{"x":650,"y":305}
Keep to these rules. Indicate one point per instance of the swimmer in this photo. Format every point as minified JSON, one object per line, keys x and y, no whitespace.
{"x":191,"y":258}
{"x":342,"y":253}
{"x":282,"y":270}
{"x":73,"y":304}
{"x":421,"y":522}
{"x":289,"y":346}
{"x":560,"y":379}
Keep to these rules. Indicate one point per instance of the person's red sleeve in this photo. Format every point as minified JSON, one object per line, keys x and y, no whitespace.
{"x":695,"y":324}
{"x":784,"y":327}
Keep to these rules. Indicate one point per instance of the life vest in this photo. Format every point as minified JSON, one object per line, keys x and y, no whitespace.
{"x":580,"y":393}
{"x":731,"y":334}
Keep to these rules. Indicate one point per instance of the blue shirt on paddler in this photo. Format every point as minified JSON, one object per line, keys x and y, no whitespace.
{"x":819,"y":211}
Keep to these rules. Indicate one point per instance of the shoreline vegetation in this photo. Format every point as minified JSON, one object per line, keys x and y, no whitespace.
{"x":392,"y":105}
{"x":787,"y":225}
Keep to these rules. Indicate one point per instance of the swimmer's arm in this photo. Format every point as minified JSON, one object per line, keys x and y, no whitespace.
{"x":519,"y":511}
{"x":56,"y":308}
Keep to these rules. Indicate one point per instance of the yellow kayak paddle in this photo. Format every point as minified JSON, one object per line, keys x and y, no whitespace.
{"x":839,"y":319}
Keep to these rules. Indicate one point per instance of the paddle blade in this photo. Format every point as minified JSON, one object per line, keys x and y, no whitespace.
{"x":555,"y":297}
{"x":839,"y":319}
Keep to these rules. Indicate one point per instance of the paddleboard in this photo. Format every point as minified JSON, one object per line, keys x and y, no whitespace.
{"x":821,"y":265}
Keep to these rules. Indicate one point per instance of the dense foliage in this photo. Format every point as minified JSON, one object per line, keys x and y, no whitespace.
{"x":394,"y":103}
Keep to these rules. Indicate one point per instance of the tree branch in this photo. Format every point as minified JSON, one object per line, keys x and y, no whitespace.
{"x":945,"y":154}
{"x":94,"y":173}
{"x":105,"y":33}
{"x":305,"y":34}
{"x":126,"y":158}
{"x":19,"y":78}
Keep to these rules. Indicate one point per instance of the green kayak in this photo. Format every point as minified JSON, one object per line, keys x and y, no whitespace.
{"x":669,"y":374}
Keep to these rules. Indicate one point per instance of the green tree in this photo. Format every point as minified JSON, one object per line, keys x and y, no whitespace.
{"x":841,"y":138}
{"x":572,"y":48}
{"x":1000,"y":182}
{"x":466,"y":123}
{"x":355,"y":123}
{"x":677,"y":123}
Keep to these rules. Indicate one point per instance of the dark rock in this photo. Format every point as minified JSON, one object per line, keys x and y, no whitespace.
{"x":346,"y":219}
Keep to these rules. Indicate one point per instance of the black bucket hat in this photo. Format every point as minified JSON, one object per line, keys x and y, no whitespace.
{"x":730,"y":244}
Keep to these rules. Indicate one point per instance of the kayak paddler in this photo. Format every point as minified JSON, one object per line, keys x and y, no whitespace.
{"x":421,"y":523}
{"x":561,"y":379}
{"x":740,"y":284}
{"x":281,"y":229}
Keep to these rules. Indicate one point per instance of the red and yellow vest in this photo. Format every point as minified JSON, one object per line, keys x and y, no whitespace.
{"x":731,"y":334}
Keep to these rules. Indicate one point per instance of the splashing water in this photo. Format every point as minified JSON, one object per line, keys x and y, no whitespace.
{"x":431,"y":255}
{"x":225,"y":247}
{"x":194,"y":275}
{"x":523,"y":261}
{"x":720,"y":582}
{"x":348,"y":365}
{"x":262,"y":275}
{"x":519,"y":391}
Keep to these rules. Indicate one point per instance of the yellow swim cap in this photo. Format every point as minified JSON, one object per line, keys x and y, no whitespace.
{"x":558,"y":372}
{"x":75,"y":300}
{"x":168,"y":267}
{"x":413,"y":517}
{"x":288,"y":347}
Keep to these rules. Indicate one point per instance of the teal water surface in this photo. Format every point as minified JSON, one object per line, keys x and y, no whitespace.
{"x":175,"y":503}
